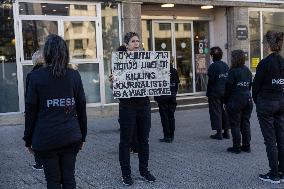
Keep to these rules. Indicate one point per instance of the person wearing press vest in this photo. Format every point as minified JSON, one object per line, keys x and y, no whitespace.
{"x":132,"y":111}
{"x":38,"y":62}
{"x":55,"y":120}
{"x":268,"y":95}
{"x":217,"y":75}
{"x":239,"y":102}
{"x":167,"y":106}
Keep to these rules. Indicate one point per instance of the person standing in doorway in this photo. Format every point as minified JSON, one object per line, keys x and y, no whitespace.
{"x":38,"y":62}
{"x":135,"y":111}
{"x":55,"y":120}
{"x":167,"y":106}
{"x":217,"y":76}
{"x":268,"y":95}
{"x":239,"y":102}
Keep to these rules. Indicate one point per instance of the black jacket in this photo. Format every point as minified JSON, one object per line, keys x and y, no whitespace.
{"x":217,"y":75}
{"x":238,"y":84}
{"x":55,"y":110}
{"x":268,"y":82}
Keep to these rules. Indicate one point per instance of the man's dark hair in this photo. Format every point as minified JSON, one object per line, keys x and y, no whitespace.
{"x":128,"y":36}
{"x":238,"y":58}
{"x":275,"y":40}
{"x":56,"y":55}
{"x":216,"y":53}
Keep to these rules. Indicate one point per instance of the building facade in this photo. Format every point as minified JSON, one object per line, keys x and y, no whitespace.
{"x":94,"y":29}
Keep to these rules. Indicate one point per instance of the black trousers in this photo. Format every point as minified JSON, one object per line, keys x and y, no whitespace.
{"x":218,"y":116}
{"x":59,"y":166}
{"x":37,"y":160}
{"x":271,"y":120}
{"x":167,"y":107}
{"x":239,"y":113}
{"x":129,"y":117}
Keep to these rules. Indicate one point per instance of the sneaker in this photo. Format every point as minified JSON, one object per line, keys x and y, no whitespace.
{"x":148,"y":177}
{"x":246,"y":149}
{"x":37,"y":167}
{"x":226,"y":135}
{"x":281,"y":176}
{"x":127,"y":180}
{"x":216,"y":136}
{"x":269,"y":178}
{"x":234,"y":150}
{"x":167,"y":140}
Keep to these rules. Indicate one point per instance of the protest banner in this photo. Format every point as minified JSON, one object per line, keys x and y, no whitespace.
{"x":141,"y":73}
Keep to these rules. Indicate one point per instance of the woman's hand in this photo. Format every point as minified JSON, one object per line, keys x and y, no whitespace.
{"x":110,"y":78}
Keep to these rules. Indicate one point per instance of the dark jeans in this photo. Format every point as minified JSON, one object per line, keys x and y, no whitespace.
{"x":271,"y":120}
{"x":59,"y":167}
{"x":218,"y":116}
{"x":167,"y":108}
{"x":129,"y":117}
{"x":239,"y":112}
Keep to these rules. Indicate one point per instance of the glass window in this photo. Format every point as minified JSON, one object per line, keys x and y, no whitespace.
{"x":110,"y":29}
{"x":201,"y":53}
{"x":9,"y":101}
{"x":146,"y":35}
{"x":272,"y":21}
{"x":164,"y":26}
{"x":34,"y":35}
{"x":81,"y":39}
{"x":26,"y":69}
{"x":254,"y":25}
{"x":57,"y":9}
{"x":91,"y":81}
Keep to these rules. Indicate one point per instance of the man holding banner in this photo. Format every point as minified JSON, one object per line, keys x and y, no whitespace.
{"x":137,"y":75}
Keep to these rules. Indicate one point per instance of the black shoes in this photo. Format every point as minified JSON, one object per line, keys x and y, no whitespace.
{"x":127,"y":180}
{"x":217,"y":136}
{"x":167,"y":140}
{"x":37,"y":167}
{"x":234,"y":150}
{"x":148,"y":176}
{"x":246,"y":149}
{"x":269,"y":178}
{"x":226,"y":135}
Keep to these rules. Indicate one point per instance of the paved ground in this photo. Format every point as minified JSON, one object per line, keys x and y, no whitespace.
{"x":192,"y":161}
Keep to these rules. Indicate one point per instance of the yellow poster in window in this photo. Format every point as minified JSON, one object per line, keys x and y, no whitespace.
{"x":254,"y":62}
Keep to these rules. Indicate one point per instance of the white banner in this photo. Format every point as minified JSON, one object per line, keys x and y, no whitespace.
{"x":141,"y":73}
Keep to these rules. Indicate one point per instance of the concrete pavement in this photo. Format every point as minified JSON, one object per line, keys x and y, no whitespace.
{"x":193,"y":161}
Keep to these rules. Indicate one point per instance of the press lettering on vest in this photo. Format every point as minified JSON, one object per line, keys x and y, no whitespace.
{"x":223,"y":75}
{"x":62,"y":102}
{"x":277,"y":81}
{"x":243,"y":84}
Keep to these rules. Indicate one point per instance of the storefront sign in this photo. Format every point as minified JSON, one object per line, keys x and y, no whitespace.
{"x":141,"y":73}
{"x":242,"y":32}
{"x":254,"y":62}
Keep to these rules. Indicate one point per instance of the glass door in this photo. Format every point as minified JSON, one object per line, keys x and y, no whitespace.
{"x":177,"y":38}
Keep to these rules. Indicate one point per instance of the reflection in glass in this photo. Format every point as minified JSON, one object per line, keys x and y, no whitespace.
{"x":272,"y":21}
{"x":26,"y":69}
{"x":110,"y":29}
{"x":201,"y":54}
{"x":34,"y":35}
{"x":8,"y":69}
{"x":146,"y":35}
{"x":163,"y":38}
{"x":184,"y":56}
{"x":91,"y":81}
{"x":254,"y":26}
{"x":57,"y":9}
{"x":81,"y":39}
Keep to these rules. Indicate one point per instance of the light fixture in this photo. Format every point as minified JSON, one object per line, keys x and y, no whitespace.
{"x":54,"y":10}
{"x":66,"y":7}
{"x":43,"y":6}
{"x":207,"y":7}
{"x":167,"y":5}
